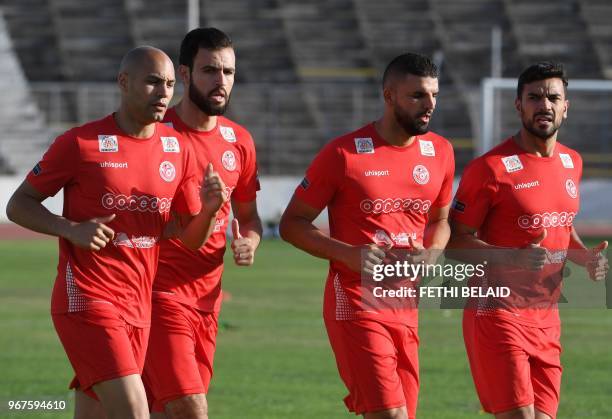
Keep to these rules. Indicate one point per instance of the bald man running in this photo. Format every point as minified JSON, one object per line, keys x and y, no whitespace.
{"x":125,"y":177}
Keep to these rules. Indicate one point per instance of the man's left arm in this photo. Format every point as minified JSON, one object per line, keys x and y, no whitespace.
{"x":247,"y":229}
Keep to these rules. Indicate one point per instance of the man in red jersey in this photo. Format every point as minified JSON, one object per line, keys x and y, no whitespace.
{"x":123,"y":176}
{"x":187,"y":288}
{"x":383,"y":185}
{"x":517,"y":203}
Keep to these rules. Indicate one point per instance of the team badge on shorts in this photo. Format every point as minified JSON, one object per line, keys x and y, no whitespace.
{"x":229,"y":160}
{"x":167,"y":171}
{"x":108,"y":143}
{"x":228,"y":134}
{"x":364,"y":145}
{"x":170,"y":145}
{"x":566,"y":160}
{"x":512,"y":163}
{"x":571,"y":189}
{"x":420,"y":174}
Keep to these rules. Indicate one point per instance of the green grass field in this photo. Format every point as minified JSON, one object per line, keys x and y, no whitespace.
{"x":273,"y":359}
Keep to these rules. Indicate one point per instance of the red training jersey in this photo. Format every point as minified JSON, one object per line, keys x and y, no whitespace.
{"x":509,"y":196}
{"x":375,"y":193}
{"x":104,"y":171}
{"x":194,"y":277}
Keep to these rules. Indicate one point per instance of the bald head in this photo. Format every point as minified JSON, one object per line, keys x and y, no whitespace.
{"x":146,"y":80}
{"x":141,"y":56}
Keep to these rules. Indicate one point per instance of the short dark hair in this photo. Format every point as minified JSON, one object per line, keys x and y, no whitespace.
{"x":208,"y":38}
{"x":541,"y":71}
{"x":410,"y":63}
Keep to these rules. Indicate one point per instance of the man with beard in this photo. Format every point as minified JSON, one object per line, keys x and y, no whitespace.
{"x":516,"y":204}
{"x":383,"y":184}
{"x":187,"y":288}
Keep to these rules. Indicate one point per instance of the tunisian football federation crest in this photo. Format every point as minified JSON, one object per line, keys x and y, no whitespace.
{"x":229,"y":160}
{"x":420,"y":174}
{"x":167,"y":171}
{"x":571,"y":189}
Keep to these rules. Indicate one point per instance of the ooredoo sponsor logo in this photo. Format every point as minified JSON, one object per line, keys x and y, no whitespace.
{"x":142,"y":203}
{"x":388,"y":205}
{"x":546,"y":219}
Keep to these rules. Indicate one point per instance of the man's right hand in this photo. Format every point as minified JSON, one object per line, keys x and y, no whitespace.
{"x":92,"y":234}
{"x":533,"y":257}
{"x":212,"y":193}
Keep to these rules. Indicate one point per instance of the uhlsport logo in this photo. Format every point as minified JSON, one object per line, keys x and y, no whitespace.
{"x":546,"y":220}
{"x":167,"y":171}
{"x":571,"y":189}
{"x":420,"y":174}
{"x":386,"y":206}
{"x":108,"y":143}
{"x":143,"y":203}
{"x":229,"y":160}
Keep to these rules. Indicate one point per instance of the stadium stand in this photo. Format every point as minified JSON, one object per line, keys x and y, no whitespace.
{"x":270,"y":101}
{"x":309,"y":70}
{"x":561,"y":36}
{"x":22,"y":126}
{"x":597,"y":15}
{"x":161,"y":23}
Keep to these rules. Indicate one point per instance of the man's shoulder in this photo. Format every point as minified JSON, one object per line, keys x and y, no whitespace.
{"x":501,"y":157}
{"x":436,"y":138}
{"x":359,"y":141}
{"x":562,"y":148}
{"x":93,"y":127}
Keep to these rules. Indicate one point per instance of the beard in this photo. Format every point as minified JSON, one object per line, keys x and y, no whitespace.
{"x":206,"y":105}
{"x":412,"y":126}
{"x":542,"y":134}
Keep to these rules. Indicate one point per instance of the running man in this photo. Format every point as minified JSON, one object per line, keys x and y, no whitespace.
{"x":124,"y":177}
{"x":187,"y":289}
{"x":386,"y":185}
{"x":517,"y":203}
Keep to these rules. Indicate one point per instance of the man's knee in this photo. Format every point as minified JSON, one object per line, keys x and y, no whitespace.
{"x":86,"y":407}
{"x":192,"y":406}
{"x":123,"y":398}
{"x":524,"y":412}
{"x":395,"y":413}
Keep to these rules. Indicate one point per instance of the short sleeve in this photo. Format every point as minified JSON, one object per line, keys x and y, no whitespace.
{"x":187,"y":196}
{"x":248,"y":182}
{"x":323,"y":177}
{"x":475,"y":195}
{"x":446,"y":189}
{"x":58,"y":166}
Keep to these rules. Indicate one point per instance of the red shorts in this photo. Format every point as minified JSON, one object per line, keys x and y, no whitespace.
{"x":100,"y":345}
{"x":513,"y":365}
{"x":181,"y":351}
{"x":378,"y":363}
